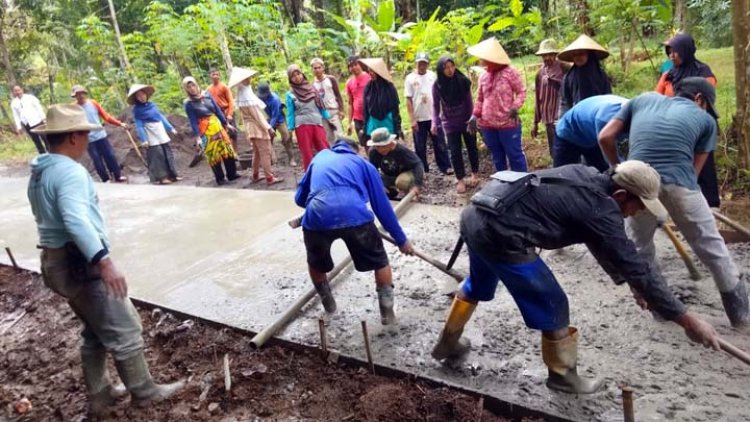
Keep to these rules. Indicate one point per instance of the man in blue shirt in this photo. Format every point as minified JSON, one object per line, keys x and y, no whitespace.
{"x":277,"y":120}
{"x":675,"y":135}
{"x":335,"y":191}
{"x":76,"y":263}
{"x":577,"y":131}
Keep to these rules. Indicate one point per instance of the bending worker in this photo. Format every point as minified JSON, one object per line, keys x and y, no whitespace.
{"x":551,"y":209}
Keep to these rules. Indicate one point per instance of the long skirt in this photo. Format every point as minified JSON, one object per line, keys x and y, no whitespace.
{"x":161,"y":164}
{"x":216,"y":142}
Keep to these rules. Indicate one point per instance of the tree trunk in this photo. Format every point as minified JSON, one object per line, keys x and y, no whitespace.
{"x":224,"y":44}
{"x":680,"y":18}
{"x":582,"y":16}
{"x":125,"y":64}
{"x":10,"y":75}
{"x":741,"y":34}
{"x":317,"y":14}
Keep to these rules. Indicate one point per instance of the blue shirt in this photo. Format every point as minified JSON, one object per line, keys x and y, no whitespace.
{"x":666,"y":132}
{"x":92,"y":115}
{"x":65,"y":206}
{"x":274,"y":109}
{"x":335,"y":191}
{"x":581,"y":125}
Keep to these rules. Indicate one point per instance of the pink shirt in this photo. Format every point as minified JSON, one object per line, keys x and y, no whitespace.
{"x":355,"y":90}
{"x":498,"y":92}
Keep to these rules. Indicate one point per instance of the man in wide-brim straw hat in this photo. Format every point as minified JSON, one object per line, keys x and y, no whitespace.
{"x":380,"y":103}
{"x":547,"y":91}
{"x":76,"y":263}
{"x":587,"y":76}
{"x":152,"y":127}
{"x":500,"y":94}
{"x":259,"y":132}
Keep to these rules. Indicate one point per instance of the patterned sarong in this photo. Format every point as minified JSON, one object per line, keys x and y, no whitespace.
{"x":216,"y":142}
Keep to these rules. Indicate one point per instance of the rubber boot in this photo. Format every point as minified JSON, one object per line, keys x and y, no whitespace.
{"x":450,"y":343}
{"x":736,"y":306}
{"x":290,"y":153}
{"x":385,"y":302}
{"x":561,"y":357}
{"x":137,"y":378}
{"x":326,"y":297}
{"x":101,"y":392}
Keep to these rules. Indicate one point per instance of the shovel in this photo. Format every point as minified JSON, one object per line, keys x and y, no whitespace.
{"x":199,"y":154}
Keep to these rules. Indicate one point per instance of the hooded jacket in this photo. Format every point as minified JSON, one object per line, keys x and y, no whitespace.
{"x":65,"y":205}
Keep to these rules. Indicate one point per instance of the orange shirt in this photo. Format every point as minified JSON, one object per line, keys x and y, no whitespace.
{"x":223,"y":97}
{"x":664,"y":87}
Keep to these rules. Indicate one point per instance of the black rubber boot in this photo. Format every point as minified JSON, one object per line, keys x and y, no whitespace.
{"x":137,"y":378}
{"x":101,"y":392}
{"x":736,"y":306}
{"x":326,"y":297}
{"x":561,"y":358}
{"x":385,"y":302}
{"x":231,"y":166}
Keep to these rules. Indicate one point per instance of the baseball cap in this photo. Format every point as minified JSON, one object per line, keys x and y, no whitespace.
{"x":352,"y":59}
{"x":76,"y":89}
{"x":264,"y":90}
{"x":380,"y":137}
{"x":422,"y":57}
{"x":642,"y":180}
{"x":698,"y":85}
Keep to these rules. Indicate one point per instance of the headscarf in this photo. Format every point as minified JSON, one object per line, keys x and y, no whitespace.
{"x":185,"y":81}
{"x":380,"y":97}
{"x":304,"y":92}
{"x":684,"y":45}
{"x":587,"y":81}
{"x":146,"y":111}
{"x":451,"y":90}
{"x":247,"y":98}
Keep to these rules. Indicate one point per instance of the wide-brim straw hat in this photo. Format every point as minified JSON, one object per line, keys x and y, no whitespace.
{"x":239,"y":74}
{"x":148,"y":89}
{"x":65,"y":118}
{"x":548,"y":46}
{"x":584,"y":42}
{"x":378,"y":66}
{"x":490,"y":50}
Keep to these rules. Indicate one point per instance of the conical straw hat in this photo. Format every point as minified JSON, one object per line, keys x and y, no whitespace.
{"x":490,"y":50}
{"x":148,"y":89}
{"x":548,"y":46}
{"x":239,"y":74}
{"x":583,"y":43}
{"x":378,"y":66}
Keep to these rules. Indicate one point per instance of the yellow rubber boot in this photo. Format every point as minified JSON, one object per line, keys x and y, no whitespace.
{"x":561,"y":357}
{"x":450,"y":344}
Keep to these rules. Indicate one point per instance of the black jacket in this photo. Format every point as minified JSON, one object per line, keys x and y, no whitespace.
{"x":553,"y":216}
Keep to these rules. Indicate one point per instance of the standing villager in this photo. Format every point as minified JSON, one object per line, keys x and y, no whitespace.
{"x":335,"y":192}
{"x":222,"y":95}
{"x":209,"y":126}
{"x":257,"y":129}
{"x":500,"y":95}
{"x":451,"y":110}
{"x":355,"y":92}
{"x":307,"y":115}
{"x":400,"y":168}
{"x":380,"y":105}
{"x":28,"y":113}
{"x":569,"y":205}
{"x":77,"y":264}
{"x":547,"y":92}
{"x":681,"y":50}
{"x":152,"y":127}
{"x":330,"y":94}
{"x":578,"y":131}
{"x":675,"y":135}
{"x":419,"y":101}
{"x":100,"y":150}
{"x":587,"y":76}
{"x":275,"y":112}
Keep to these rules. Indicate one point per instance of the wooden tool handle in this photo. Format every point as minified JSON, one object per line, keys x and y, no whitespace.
{"x":692,"y":269}
{"x":734,"y":351}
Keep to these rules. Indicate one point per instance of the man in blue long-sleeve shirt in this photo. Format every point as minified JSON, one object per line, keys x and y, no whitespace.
{"x":335,"y":191}
{"x":76,"y":263}
{"x":277,"y":120}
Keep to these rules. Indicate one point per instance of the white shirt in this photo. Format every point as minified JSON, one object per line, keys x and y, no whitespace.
{"x":27,"y":110}
{"x":419,"y":89}
{"x":325,"y":90}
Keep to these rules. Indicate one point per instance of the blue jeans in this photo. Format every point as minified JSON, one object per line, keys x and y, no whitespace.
{"x":438,"y":146}
{"x":101,"y":152}
{"x":566,"y":152}
{"x":505,"y":146}
{"x":541,"y":300}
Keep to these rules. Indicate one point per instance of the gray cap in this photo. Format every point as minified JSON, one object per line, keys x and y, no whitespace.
{"x":698,"y":85}
{"x":643,"y":181}
{"x":422,"y":57}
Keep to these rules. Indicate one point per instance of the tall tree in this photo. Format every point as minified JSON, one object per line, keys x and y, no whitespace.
{"x":10,"y":74}
{"x":680,"y":19}
{"x":123,"y":54}
{"x":741,"y":34}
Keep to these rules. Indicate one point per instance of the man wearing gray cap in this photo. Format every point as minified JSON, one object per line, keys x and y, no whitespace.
{"x":675,"y":135}
{"x":515,"y":213}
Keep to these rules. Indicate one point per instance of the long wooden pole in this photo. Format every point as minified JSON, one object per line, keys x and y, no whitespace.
{"x":734,"y":351}
{"x":434,"y":262}
{"x":135,"y":147}
{"x":692,"y":269}
{"x":733,"y":224}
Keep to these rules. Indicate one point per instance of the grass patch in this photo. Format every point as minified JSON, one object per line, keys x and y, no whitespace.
{"x":16,"y":149}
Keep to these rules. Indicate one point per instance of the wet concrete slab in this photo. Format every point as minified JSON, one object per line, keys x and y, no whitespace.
{"x":228,"y":256}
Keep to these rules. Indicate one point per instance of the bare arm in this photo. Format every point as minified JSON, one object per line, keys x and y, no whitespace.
{"x":699,"y":161}
{"x":608,"y":140}
{"x":410,"y":110}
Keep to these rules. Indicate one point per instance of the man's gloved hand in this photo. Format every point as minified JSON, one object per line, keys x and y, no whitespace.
{"x":513,"y":113}
{"x":471,"y":125}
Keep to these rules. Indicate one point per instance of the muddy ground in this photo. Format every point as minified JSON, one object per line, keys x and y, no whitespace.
{"x":39,"y":361}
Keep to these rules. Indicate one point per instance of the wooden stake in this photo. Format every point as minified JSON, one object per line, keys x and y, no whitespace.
{"x":367,"y":347}
{"x":323,"y":338}
{"x":627,"y":404}
{"x":480,"y":409}
{"x":12,"y":259}
{"x":227,"y":376}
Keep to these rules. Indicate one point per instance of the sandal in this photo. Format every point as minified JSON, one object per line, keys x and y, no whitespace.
{"x":274,"y":180}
